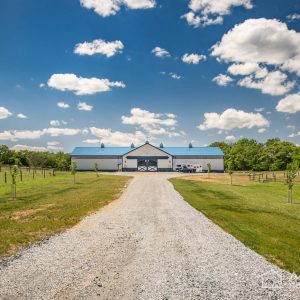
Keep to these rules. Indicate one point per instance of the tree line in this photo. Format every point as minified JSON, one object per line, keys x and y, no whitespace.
{"x":250,"y":155}
{"x":34,"y":159}
{"x":243,"y":155}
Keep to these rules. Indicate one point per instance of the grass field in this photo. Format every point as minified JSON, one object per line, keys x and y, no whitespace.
{"x":45,"y":206}
{"x":255,"y":213}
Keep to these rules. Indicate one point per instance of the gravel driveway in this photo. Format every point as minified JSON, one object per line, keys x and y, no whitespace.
{"x":150,"y":244}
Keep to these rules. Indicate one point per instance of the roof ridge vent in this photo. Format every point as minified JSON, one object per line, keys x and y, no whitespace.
{"x":161,"y":145}
{"x":102,"y":145}
{"x":132,"y":145}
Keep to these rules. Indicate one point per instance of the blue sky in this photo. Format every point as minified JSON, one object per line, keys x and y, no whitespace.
{"x":130,"y":92}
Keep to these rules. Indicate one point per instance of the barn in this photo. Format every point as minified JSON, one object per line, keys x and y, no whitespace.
{"x":147,"y":157}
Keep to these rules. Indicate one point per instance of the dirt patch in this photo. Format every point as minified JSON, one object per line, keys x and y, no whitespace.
{"x":22,"y":214}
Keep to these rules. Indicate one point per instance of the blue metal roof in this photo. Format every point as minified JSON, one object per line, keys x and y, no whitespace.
{"x":93,"y":151}
{"x":194,"y":151}
{"x":174,"y":151}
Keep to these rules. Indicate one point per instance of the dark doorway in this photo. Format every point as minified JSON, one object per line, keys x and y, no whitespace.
{"x":147,"y":165}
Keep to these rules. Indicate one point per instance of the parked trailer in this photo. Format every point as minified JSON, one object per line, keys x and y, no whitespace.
{"x":189,"y":168}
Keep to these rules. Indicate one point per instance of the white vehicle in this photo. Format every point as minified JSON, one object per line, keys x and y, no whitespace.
{"x":189,"y":168}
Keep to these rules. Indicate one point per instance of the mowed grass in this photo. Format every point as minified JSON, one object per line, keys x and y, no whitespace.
{"x":46,"y":206}
{"x":255,"y":213}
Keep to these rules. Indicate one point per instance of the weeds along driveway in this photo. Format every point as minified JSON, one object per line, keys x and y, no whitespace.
{"x":150,"y":244}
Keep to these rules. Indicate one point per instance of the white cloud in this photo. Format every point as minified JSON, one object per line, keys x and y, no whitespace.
{"x":62,"y":131}
{"x":63,"y":105}
{"x":4,"y":113}
{"x":243,"y":69}
{"x":55,"y":123}
{"x":175,"y":76}
{"x":160,"y":52}
{"x":81,"y":85}
{"x":21,"y":116}
{"x":42,"y":85}
{"x":231,"y":119}
{"x":99,"y":46}
{"x":261,"y":130}
{"x":193,"y":58}
{"x":14,"y":135}
{"x":222,"y":80}
{"x":106,"y":8}
{"x":294,"y":134}
{"x":289,"y":104}
{"x":146,"y":118}
{"x":92,"y":141}
{"x":29,"y":148}
{"x":109,"y":137}
{"x":292,"y":127}
{"x":84,"y":106}
{"x":293,"y":17}
{"x":153,"y":123}
{"x":53,"y":143}
{"x":211,"y":12}
{"x":273,"y":84}
{"x":230,"y":138}
{"x":259,"y":109}
{"x":261,"y":41}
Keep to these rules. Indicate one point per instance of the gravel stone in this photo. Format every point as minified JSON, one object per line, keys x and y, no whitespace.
{"x":149,"y":244}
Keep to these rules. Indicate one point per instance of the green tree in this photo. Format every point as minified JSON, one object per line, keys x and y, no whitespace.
{"x":291,"y":174}
{"x":14,"y":171}
{"x":230,"y":170}
{"x":73,"y":169}
{"x":208,"y":168}
{"x":96,"y":168}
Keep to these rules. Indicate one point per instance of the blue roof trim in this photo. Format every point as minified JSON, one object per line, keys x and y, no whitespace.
{"x":174,"y":151}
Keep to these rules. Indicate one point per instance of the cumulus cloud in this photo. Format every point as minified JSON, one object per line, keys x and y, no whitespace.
{"x":15,"y":135}
{"x":289,"y":104}
{"x":153,"y":123}
{"x":63,"y":105}
{"x":106,"y":8}
{"x":109,"y":137}
{"x":230,"y":138}
{"x":222,"y":80}
{"x":175,"y":76}
{"x":261,"y":41}
{"x":81,"y":85}
{"x":84,"y":106}
{"x":293,"y":17}
{"x":233,"y":119}
{"x":160,"y":52}
{"x":4,"y":113}
{"x":193,"y":58}
{"x":261,"y":49}
{"x":55,"y":123}
{"x":28,"y":148}
{"x":99,"y":46}
{"x":92,"y":141}
{"x":212,"y":12}
{"x":274,"y":83}
{"x":243,"y":69}
{"x":261,"y":130}
{"x":21,"y":116}
{"x":259,"y":109}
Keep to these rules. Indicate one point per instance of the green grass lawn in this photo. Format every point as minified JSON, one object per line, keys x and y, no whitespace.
{"x":47,"y":206}
{"x":255,"y":213}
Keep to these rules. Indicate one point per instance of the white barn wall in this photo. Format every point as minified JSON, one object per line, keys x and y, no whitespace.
{"x":107,"y":164}
{"x":164,"y":163}
{"x":217,"y":164}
